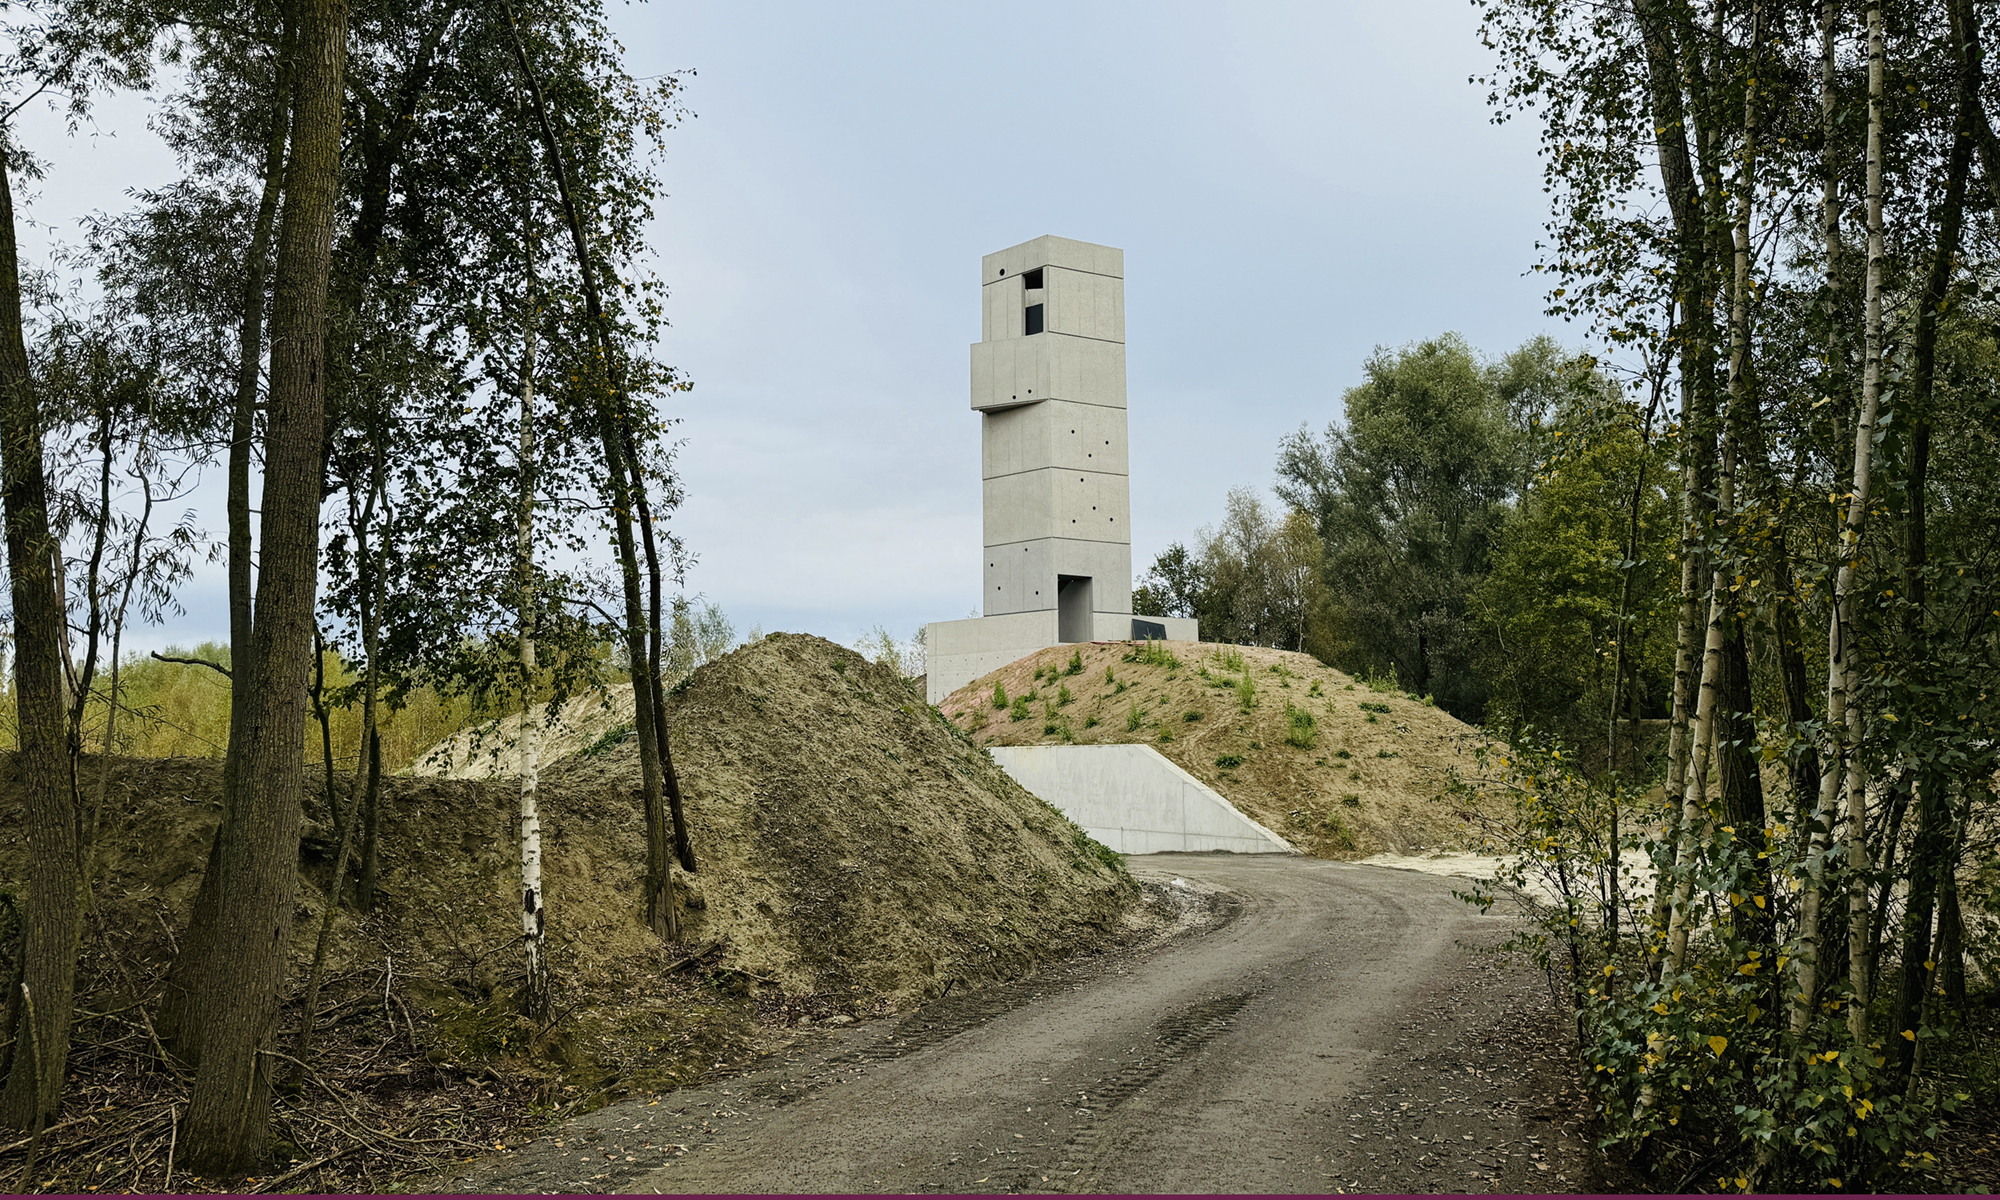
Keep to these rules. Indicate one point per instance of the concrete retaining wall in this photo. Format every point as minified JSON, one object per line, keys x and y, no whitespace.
{"x":1134,"y":800}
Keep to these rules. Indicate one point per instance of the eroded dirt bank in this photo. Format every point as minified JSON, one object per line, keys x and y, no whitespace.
{"x":1337,"y":1028}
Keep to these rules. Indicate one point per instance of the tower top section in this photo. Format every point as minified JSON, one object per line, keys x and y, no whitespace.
{"x":1051,"y":251}
{"x":1054,"y":286}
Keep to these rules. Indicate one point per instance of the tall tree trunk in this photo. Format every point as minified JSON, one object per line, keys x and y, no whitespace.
{"x":368,"y":579}
{"x":229,"y":1105}
{"x":1930,"y":859}
{"x":623,"y":477}
{"x":535,"y":1001}
{"x":1693,"y":327}
{"x":180,"y":1023}
{"x":1740,"y":780}
{"x":1812,"y":938}
{"x":1845,"y":653}
{"x":47,"y":772}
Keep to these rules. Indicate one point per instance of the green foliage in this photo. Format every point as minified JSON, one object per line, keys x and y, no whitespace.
{"x":1246,"y":692}
{"x":1019,"y":711}
{"x":1075,"y":663}
{"x":1371,"y":706}
{"x":1190,"y":715}
{"x":610,"y":739}
{"x":1388,"y":754}
{"x":1706,"y":1046}
{"x":999,"y":694}
{"x":1409,"y":495}
{"x":1090,"y":722}
{"x":1341,"y":754}
{"x":1166,"y":735}
{"x":1108,"y":676}
{"x":1229,"y":762}
{"x":1058,"y":727}
{"x":1062,"y":696}
{"x":1133,"y":717}
{"x":1351,"y":799}
{"x":1300,"y":728}
{"x":1314,"y":690}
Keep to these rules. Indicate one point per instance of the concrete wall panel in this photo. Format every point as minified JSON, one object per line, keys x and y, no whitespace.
{"x":1134,"y":800}
{"x":1022,"y":370}
{"x":1085,"y":305}
{"x":1087,"y":437}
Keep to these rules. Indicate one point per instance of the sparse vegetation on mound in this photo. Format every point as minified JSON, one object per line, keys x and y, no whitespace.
{"x":1339,"y":766}
{"x":857,"y":855}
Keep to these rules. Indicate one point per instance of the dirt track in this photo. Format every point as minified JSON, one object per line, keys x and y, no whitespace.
{"x":1335,"y":1027}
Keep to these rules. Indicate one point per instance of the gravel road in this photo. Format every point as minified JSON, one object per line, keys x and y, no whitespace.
{"x":1325,"y":1026}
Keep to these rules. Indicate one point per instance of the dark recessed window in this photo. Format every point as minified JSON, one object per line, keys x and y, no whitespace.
{"x":1034,"y":318}
{"x":1032,"y":279}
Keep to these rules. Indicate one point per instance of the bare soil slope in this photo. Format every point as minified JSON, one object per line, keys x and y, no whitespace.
{"x":1361,"y":772}
{"x":857,"y":854}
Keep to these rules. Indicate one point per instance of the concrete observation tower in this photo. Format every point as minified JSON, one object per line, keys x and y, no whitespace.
{"x":1048,"y":378}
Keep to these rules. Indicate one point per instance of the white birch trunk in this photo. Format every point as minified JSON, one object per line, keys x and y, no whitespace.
{"x":534,"y":917}
{"x":1694,"y":795}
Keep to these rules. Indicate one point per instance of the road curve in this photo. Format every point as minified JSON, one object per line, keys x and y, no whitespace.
{"x":1342,"y":1028}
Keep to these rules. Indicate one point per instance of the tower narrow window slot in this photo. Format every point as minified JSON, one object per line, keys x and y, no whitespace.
{"x":1032,"y":280}
{"x":1034,"y":323}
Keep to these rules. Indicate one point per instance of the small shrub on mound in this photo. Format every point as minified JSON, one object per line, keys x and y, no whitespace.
{"x":1229,"y":762}
{"x":1301,"y":731}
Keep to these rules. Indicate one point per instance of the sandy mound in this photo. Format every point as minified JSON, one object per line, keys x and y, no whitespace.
{"x":850,"y":839}
{"x":1361,"y":772}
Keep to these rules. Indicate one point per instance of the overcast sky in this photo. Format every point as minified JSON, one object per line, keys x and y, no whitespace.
{"x":1292,"y":185}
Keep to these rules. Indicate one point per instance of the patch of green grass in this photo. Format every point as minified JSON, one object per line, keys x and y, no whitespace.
{"x":1166,"y":735}
{"x":1152,"y":654}
{"x":1372,"y":718}
{"x":1075,"y":663}
{"x":1256,"y":745}
{"x":1229,"y":762}
{"x":1385,"y":684}
{"x":1314,"y":689}
{"x":1231,"y":660}
{"x":999,"y":695}
{"x":1351,"y":799}
{"x":1368,"y":706}
{"x":1059,"y":727}
{"x":1062,"y":696}
{"x":1090,"y":722}
{"x":1246,"y":692}
{"x":612,"y":738}
{"x":1020,"y":712}
{"x":1342,"y":754}
{"x":1132,"y":719}
{"x":1108,"y":676}
{"x":1190,"y":716}
{"x":1387,"y":754}
{"x":1337,"y":832}
{"x":1300,"y":728}
{"x":1122,"y":685}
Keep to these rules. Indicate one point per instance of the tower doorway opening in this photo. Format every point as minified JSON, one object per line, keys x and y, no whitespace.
{"x":1073,"y":610}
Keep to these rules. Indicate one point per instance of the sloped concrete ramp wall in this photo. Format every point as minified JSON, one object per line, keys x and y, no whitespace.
{"x":1134,"y":800}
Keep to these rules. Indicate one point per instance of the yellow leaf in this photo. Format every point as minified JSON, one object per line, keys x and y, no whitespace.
{"x":1910,"y":1034}
{"x":1758,"y":900}
{"x":1718,"y":1043}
